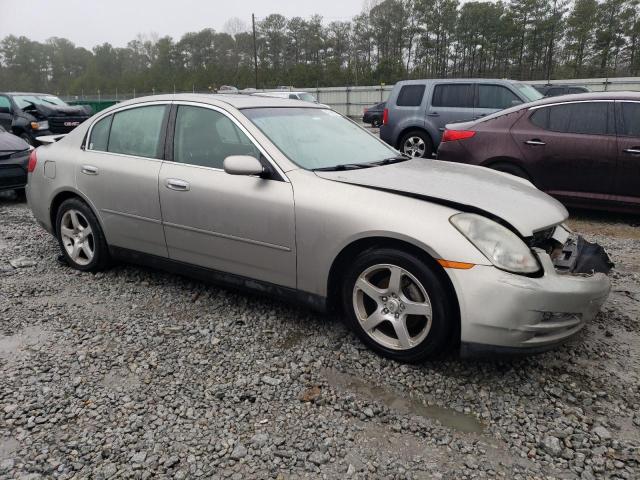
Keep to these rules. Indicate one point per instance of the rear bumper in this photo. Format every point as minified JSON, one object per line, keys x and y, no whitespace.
{"x":506,"y":313}
{"x":13,"y":172}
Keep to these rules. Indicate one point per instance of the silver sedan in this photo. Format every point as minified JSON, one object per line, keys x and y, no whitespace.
{"x":290,"y":198}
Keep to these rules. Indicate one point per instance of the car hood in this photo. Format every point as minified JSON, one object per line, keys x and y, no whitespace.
{"x":467,"y":187}
{"x":11,"y":143}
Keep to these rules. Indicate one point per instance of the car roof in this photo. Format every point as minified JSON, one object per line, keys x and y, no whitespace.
{"x":26,"y":93}
{"x":576,"y":97}
{"x":238,"y":101}
{"x":457,"y":80}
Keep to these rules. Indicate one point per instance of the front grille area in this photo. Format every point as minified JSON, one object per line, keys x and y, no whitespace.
{"x":64,"y":124}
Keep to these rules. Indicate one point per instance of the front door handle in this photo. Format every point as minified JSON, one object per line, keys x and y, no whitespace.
{"x":632,"y":150}
{"x":89,"y":170}
{"x":433,"y":114}
{"x":177,"y":184}
{"x":535,"y":141}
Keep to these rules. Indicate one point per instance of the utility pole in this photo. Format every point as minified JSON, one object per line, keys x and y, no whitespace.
{"x":255,"y":48}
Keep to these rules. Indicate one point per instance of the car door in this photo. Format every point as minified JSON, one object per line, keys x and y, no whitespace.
{"x":243,"y":225}
{"x":627,"y":182}
{"x":490,"y":98}
{"x":450,"y":103}
{"x":570,"y":148}
{"x":118,"y":173}
{"x":6,"y":114}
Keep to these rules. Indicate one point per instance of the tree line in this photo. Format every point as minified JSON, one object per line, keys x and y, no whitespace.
{"x":388,"y":41}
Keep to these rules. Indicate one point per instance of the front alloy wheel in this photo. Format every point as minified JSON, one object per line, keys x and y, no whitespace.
{"x":392,"y":306}
{"x":399,"y":304}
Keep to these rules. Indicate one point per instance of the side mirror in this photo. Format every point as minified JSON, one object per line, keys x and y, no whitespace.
{"x":243,"y":165}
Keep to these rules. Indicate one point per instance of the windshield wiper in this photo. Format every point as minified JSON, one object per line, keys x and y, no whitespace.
{"x":390,"y":160}
{"x":343,"y":166}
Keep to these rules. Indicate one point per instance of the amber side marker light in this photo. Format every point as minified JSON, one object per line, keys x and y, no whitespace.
{"x":456,"y":265}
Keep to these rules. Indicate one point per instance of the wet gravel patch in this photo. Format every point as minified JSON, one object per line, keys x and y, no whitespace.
{"x":134,"y":373}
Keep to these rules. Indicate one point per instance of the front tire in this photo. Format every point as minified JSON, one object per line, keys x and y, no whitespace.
{"x":80,"y":237}
{"x":417,"y":143}
{"x":398,"y":305}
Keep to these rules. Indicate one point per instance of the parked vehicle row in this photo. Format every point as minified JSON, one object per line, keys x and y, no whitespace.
{"x":417,"y":110}
{"x":291,"y":198}
{"x":582,"y":149}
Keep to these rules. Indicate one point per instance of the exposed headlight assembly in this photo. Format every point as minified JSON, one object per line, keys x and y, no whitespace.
{"x":500,"y":245}
{"x":40,"y":125}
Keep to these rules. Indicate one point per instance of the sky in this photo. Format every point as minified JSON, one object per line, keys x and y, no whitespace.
{"x":92,"y":22}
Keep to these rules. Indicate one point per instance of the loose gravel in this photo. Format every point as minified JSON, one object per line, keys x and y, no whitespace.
{"x":134,"y":373}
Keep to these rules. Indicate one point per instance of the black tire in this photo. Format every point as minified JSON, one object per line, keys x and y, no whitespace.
{"x":424,"y":137}
{"x":101,"y":258}
{"x":440,"y":336}
{"x":375,"y":123}
{"x":511,"y":169}
{"x":21,"y":194}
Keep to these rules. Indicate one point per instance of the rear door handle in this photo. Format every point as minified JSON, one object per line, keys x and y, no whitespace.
{"x":433,"y":114}
{"x":535,"y":141}
{"x":177,"y":184}
{"x":632,"y":150}
{"x":89,"y":170}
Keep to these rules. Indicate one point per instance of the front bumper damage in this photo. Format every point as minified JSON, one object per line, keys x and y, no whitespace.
{"x":503,"y":313}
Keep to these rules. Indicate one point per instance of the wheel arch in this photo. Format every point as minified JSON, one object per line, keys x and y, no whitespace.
{"x":342,"y":261}
{"x":413,"y":128}
{"x":63,"y":195}
{"x":506,"y":160}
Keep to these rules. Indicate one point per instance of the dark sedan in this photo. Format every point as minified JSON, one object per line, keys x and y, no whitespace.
{"x":14,"y":159}
{"x":582,"y":149}
{"x":373,"y":115}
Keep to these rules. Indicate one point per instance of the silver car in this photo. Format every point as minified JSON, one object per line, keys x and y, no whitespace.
{"x":296,"y":200}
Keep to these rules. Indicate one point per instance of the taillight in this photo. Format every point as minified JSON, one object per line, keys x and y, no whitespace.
{"x":33,"y":160}
{"x":452,"y":135}
{"x":385,"y":116}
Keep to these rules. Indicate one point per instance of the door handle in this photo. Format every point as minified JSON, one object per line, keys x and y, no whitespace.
{"x":535,"y":141}
{"x":433,"y":114}
{"x":177,"y":184}
{"x":632,"y":150}
{"x":89,"y":170}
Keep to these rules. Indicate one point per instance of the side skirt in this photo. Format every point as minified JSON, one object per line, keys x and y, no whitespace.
{"x":230,"y":280}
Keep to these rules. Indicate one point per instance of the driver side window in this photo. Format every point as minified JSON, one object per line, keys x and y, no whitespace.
{"x":5,"y":105}
{"x":206,"y":137}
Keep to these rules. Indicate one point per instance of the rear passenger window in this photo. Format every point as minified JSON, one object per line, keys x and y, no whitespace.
{"x":576,"y":90}
{"x":137,"y":131}
{"x":587,"y":118}
{"x":100,"y":134}
{"x":496,"y":96}
{"x":205,"y":137}
{"x":453,"y":95}
{"x":629,"y":119}
{"x":554,"y":92}
{"x":410,"y":96}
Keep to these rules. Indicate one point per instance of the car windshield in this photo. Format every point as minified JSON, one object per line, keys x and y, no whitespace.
{"x":307,"y":97}
{"x":528,"y":92}
{"x":47,"y":100}
{"x":315,"y":138}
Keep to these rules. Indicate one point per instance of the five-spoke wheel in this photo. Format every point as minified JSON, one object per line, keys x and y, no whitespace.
{"x":80,"y":237}
{"x":399,"y":304}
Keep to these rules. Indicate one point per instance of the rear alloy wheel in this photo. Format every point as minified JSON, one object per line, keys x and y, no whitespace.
{"x":80,"y":237}
{"x":397,"y":305}
{"x":417,"y":144}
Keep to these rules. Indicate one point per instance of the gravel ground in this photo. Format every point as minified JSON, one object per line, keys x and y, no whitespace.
{"x":132,"y":373}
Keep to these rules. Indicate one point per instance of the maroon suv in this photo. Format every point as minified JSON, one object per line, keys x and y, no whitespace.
{"x":583,"y":149}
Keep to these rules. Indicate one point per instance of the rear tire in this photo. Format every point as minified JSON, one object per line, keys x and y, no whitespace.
{"x":416,"y":143}
{"x":80,"y":237}
{"x":511,"y":169}
{"x":398,"y":305}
